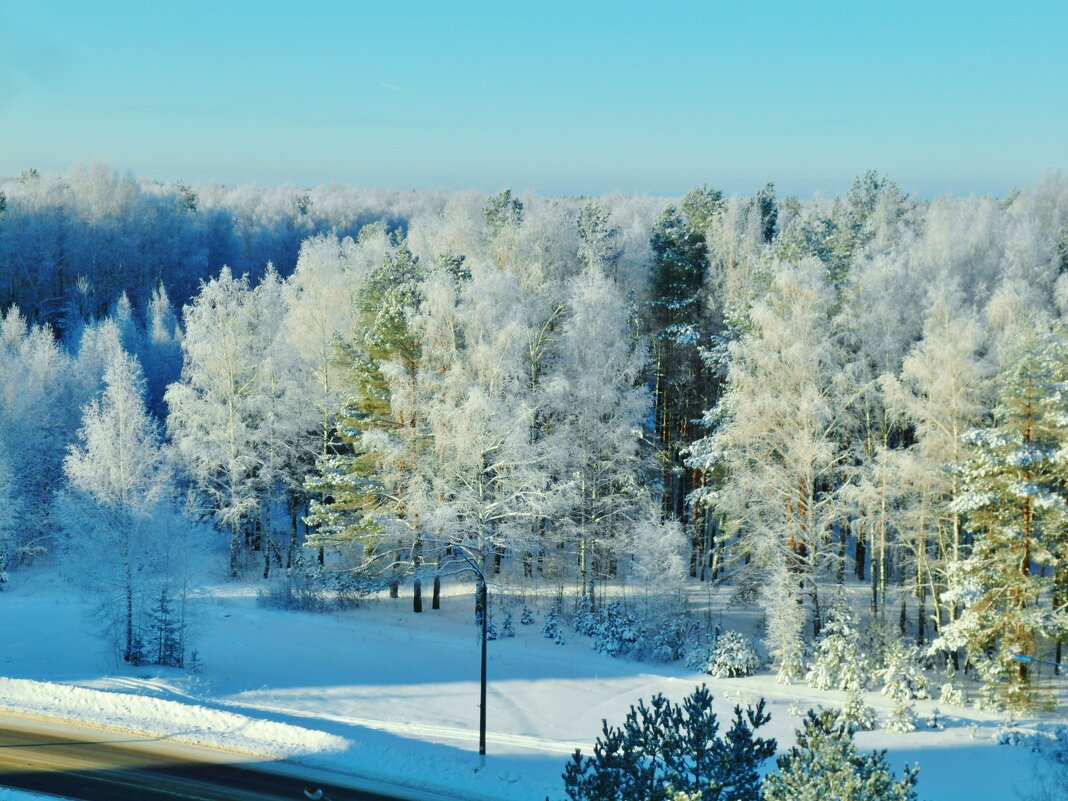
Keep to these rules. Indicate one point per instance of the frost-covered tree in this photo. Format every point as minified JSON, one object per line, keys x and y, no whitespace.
{"x":120,"y":481}
{"x":596,"y":404}
{"x":283,"y":424}
{"x":366,"y":490}
{"x":9,"y":515}
{"x":825,"y":765}
{"x":39,"y":402}
{"x":213,"y":418}
{"x":598,"y":246}
{"x":904,"y":682}
{"x":1016,"y":513}
{"x":942,"y":392}
{"x":838,"y":653}
{"x":776,"y":445}
{"x":161,"y":348}
{"x":663,"y":748}
{"x":484,"y":480}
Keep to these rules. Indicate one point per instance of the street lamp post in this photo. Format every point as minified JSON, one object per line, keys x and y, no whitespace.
{"x":482,"y":691}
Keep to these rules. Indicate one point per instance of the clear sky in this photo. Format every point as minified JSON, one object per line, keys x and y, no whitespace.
{"x":558,"y":97}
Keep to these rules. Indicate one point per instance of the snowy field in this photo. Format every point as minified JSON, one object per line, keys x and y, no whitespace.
{"x":385,"y":695}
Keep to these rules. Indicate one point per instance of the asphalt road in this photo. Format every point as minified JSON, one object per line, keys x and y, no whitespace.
{"x":108,"y":766}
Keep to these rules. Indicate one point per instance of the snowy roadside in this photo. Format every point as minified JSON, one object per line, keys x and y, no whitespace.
{"x":366,"y":762}
{"x":11,"y":794}
{"x":385,"y":697}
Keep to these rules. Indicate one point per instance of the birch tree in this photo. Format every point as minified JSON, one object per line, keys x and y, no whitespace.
{"x":776,"y":443}
{"x":597,"y":405}
{"x":212,"y":419}
{"x":120,"y":480}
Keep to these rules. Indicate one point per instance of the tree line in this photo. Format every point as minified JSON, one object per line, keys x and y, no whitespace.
{"x":779,"y":394}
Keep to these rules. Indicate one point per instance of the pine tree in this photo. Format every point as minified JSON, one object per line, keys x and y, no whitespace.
{"x":903,"y":681}
{"x":838,"y":655}
{"x":1015,"y":513}
{"x":168,"y":628}
{"x":825,"y":766}
{"x":364,"y":491}
{"x":663,"y":749}
{"x":678,"y":327}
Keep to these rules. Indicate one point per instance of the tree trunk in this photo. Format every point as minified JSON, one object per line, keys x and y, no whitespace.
{"x":294,"y":532}
{"x":921,"y":616}
{"x":841,"y":531}
{"x":129,"y":656}
{"x":235,"y":544}
{"x":417,"y":596}
{"x":435,"y":602}
{"x":816,"y":622}
{"x":858,"y":556}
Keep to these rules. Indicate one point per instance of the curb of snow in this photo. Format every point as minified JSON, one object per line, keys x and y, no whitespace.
{"x":136,"y":714}
{"x":299,"y":752}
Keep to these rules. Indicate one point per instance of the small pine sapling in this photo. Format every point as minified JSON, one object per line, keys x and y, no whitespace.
{"x":584,"y":622}
{"x":838,"y":652}
{"x":732,"y":657}
{"x":951,"y":693}
{"x":935,"y":720}
{"x":550,"y":629}
{"x":903,"y":681}
{"x":526,"y":617}
{"x":507,"y":628}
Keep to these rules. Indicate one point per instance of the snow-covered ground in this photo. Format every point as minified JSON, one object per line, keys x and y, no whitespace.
{"x":9,"y":794}
{"x":386,"y":695}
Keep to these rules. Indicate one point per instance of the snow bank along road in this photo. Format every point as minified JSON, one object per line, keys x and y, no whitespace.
{"x":96,"y":765}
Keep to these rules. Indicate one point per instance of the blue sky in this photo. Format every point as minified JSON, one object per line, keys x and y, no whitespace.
{"x":578,"y":98}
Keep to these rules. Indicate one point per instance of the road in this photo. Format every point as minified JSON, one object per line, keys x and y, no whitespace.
{"x":107,"y":766}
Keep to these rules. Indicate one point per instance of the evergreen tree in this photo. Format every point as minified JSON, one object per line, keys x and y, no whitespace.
{"x":598,"y":245}
{"x":903,"y":681}
{"x":664,"y":748}
{"x":363,"y":491}
{"x":679,"y":327}
{"x":839,"y":660}
{"x":1016,"y":514}
{"x":825,"y":766}
{"x":768,"y":210}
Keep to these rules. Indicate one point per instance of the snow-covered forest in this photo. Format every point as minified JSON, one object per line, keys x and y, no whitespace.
{"x":809,"y":402}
